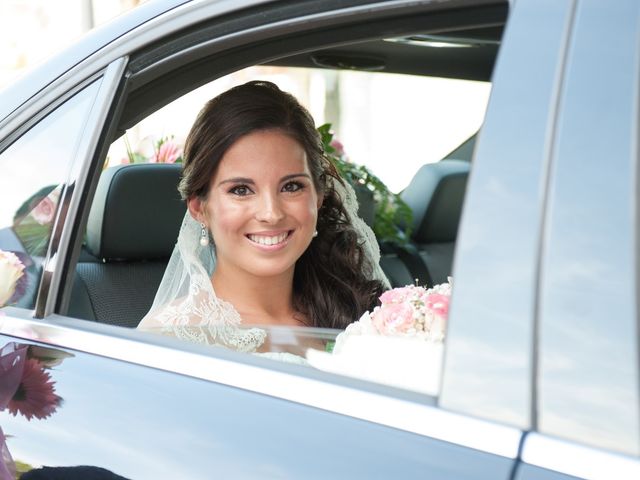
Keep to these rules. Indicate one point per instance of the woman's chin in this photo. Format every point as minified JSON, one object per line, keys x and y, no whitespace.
{"x":271,"y":266}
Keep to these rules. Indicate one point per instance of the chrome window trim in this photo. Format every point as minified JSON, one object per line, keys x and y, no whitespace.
{"x":70,"y":202}
{"x":295,"y":383}
{"x":191,"y":13}
{"x":577,"y":460}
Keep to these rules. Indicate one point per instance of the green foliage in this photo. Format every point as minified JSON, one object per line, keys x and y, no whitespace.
{"x":393,"y":217}
{"x":22,"y":467}
{"x":134,"y":157}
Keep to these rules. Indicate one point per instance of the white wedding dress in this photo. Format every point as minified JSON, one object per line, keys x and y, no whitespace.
{"x":229,"y":333}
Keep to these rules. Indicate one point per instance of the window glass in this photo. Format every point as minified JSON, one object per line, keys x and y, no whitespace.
{"x":34,"y":170}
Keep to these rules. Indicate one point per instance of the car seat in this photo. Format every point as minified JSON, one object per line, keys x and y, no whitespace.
{"x":131,"y":231}
{"x":435,"y":196}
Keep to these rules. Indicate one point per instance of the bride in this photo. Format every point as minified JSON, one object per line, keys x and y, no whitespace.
{"x":271,"y":236}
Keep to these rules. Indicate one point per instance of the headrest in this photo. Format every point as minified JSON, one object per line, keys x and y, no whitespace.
{"x":366,"y":204}
{"x":136,"y":213}
{"x":435,"y":196}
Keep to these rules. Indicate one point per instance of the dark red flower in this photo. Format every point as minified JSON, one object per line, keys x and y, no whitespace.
{"x":35,"y":396}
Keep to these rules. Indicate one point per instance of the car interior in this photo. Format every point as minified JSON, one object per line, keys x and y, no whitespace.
{"x":135,"y":215}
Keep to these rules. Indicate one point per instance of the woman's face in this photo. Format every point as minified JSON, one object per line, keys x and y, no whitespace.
{"x":262,"y":205}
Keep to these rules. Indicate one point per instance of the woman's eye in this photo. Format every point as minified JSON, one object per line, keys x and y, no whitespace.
{"x":292,"y":187}
{"x":240,"y":190}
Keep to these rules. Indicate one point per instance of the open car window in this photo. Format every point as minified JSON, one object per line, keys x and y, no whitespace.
{"x":391,"y":123}
{"x":409,"y":125}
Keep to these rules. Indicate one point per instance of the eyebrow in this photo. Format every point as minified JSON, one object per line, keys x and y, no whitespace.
{"x":295,"y":175}
{"x":249,"y":181}
{"x":237,"y":180}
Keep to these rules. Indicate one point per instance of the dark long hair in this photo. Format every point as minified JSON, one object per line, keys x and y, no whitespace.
{"x":329,"y":285}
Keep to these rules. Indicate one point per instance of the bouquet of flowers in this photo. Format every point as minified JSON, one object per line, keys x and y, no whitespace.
{"x":11,"y":271}
{"x":399,"y":343}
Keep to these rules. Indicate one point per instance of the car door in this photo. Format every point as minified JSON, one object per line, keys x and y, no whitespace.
{"x":126,"y":392}
{"x":157,"y":405}
{"x":587,"y":373}
{"x":580,"y":350}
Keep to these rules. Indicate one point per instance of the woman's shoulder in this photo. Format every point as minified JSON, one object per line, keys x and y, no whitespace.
{"x":209,"y":321}
{"x":197,"y":309}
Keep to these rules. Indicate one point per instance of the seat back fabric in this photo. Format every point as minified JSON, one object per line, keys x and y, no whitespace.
{"x":132,"y":229}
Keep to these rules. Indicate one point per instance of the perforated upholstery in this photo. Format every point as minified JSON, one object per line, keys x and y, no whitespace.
{"x":120,"y":293}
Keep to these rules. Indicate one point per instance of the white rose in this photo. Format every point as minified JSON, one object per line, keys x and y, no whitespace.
{"x":11,"y":269}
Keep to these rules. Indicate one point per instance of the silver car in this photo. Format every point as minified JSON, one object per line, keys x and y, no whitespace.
{"x":541,"y":370}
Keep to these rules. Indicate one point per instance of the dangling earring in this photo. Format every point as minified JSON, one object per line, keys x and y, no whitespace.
{"x":315,"y":233}
{"x":204,"y":235}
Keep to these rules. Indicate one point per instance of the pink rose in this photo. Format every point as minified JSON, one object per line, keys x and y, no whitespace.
{"x":44,"y":211}
{"x":168,"y":152}
{"x":396,"y":295}
{"x":393,"y":318}
{"x":438,"y":304}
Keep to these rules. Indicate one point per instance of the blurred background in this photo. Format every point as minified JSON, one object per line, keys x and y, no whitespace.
{"x":32,"y":30}
{"x":379,"y":118}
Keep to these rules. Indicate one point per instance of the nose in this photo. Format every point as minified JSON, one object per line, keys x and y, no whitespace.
{"x":269,"y":209}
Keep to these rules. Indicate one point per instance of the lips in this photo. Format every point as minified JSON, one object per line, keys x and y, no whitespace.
{"x":269,"y":239}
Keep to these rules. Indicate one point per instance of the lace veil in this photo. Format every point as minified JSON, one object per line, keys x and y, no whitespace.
{"x":186,"y":304}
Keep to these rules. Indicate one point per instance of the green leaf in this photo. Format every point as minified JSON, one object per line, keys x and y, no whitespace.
{"x":393,"y":217}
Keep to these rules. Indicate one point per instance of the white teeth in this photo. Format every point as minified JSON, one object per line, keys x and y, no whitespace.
{"x":264,"y":240}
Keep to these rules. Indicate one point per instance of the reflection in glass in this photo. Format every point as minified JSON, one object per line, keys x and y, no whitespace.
{"x":34,"y":171}
{"x":26,"y":389}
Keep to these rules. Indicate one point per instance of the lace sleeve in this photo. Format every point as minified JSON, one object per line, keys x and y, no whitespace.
{"x":209,"y":322}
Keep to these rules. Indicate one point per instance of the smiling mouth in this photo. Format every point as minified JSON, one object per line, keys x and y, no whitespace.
{"x":270,"y":240}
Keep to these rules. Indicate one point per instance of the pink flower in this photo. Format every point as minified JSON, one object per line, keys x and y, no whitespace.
{"x":438,"y":304}
{"x":35,"y":396}
{"x":168,"y":152}
{"x":393,"y":318}
{"x":339,"y":148}
{"x":396,"y":295}
{"x":44,"y":211}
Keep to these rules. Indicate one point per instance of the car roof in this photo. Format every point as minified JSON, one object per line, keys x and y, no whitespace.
{"x":40,"y":76}
{"x":406,"y":58}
